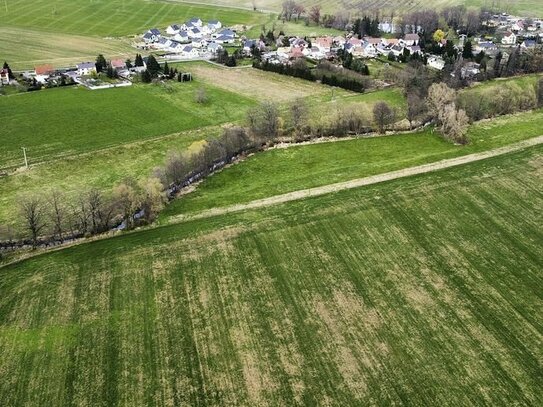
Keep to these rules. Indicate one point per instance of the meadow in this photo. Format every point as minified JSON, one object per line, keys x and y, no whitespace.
{"x":65,"y":121}
{"x":308,"y":166}
{"x":420,"y":291}
{"x":64,"y":32}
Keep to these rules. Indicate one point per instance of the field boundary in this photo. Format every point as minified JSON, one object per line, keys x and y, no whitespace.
{"x":359,"y":182}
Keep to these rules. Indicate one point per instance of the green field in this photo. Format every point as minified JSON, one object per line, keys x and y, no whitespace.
{"x":62,"y":122}
{"x":65,"y":32}
{"x":302,"y":167}
{"x":420,"y":291}
{"x":114,"y":18}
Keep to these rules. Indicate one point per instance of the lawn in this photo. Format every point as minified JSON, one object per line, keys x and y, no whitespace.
{"x":420,"y":291}
{"x":114,"y":18}
{"x":302,"y":167}
{"x":24,"y":48}
{"x":62,"y":122}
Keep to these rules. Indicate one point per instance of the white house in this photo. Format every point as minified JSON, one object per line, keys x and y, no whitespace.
{"x":181,"y":36}
{"x":152,"y":35}
{"x":4,"y":77}
{"x":436,"y":62}
{"x":85,"y":68}
{"x":509,"y":38}
{"x":213,"y":48}
{"x":196,"y":22}
{"x":195,"y":33}
{"x":223,"y":39}
{"x":199,"y":43}
{"x":214,"y":25}
{"x":411,"y":39}
{"x":190,"y":52}
{"x":173,"y":29}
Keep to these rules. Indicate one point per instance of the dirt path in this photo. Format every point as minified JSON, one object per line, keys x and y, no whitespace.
{"x":359,"y":182}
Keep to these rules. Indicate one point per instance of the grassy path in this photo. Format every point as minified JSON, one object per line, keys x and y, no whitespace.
{"x":360,"y":182}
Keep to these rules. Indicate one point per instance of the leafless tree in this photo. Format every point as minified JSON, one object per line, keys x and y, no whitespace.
{"x":176,"y":168}
{"x":455,"y":124}
{"x":299,"y":114}
{"x":315,"y":14}
{"x":57,"y":213}
{"x":264,"y":121}
{"x":33,"y":214}
{"x":383,"y":115}
{"x":201,"y":96}
{"x":153,"y":199}
{"x":289,"y":8}
{"x":127,"y":201}
{"x":439,"y":96}
{"x":416,"y":107}
{"x":299,"y":10}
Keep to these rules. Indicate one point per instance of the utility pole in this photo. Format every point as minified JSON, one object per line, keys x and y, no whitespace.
{"x":24,"y":153}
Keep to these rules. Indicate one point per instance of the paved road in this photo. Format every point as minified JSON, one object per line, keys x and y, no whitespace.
{"x":359,"y":182}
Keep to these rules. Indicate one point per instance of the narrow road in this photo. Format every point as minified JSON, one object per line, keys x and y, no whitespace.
{"x":359,"y":182}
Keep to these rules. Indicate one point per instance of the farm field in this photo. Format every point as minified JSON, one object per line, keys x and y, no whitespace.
{"x":76,"y":120}
{"x":308,"y":166}
{"x":114,"y":18}
{"x":521,"y":7}
{"x":421,"y":291}
{"x":25,"y":48}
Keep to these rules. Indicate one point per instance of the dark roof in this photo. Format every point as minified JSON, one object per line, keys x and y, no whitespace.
{"x":154,"y":31}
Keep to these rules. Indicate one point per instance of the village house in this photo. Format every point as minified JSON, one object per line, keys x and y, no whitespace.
{"x":509,"y":38}
{"x":196,"y":22}
{"x":118,"y":64}
{"x":153,"y":35}
{"x":43,"y":72}
{"x":526,"y":44}
{"x":213,"y":48}
{"x":214,"y":25}
{"x":181,"y":36}
{"x":436,"y":62}
{"x":411,"y":39}
{"x":86,"y":68}
{"x":324,"y":44}
{"x":190,"y":52}
{"x":4,"y":77}
{"x":173,"y":29}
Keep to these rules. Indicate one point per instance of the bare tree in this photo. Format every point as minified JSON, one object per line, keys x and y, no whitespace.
{"x":299,"y":9}
{"x":439,"y":96}
{"x":455,"y":124}
{"x":32,"y":212}
{"x":416,"y":107}
{"x":383,"y":115}
{"x":153,"y":199}
{"x":126,"y":199}
{"x":299,"y":115}
{"x":289,"y":8}
{"x":201,"y":96}
{"x":57,"y":213}
{"x":264,"y":121}
{"x":176,"y":168}
{"x":315,"y":14}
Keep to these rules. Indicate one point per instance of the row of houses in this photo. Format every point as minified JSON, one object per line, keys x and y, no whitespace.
{"x":191,"y":39}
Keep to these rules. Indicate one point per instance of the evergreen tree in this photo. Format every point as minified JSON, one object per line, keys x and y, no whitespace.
{"x":138,"y":61}
{"x":467,"y":52}
{"x":101,"y":63}
{"x":166,"y":69}
{"x":10,"y":73}
{"x":153,"y":66}
{"x":146,"y":76}
{"x":497,"y":65}
{"x":128,"y":63}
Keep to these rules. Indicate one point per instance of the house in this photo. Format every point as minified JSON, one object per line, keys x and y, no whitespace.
{"x":214,"y":48}
{"x":528,"y":44}
{"x":118,"y":64}
{"x":181,"y":36}
{"x":153,"y":35}
{"x":518,"y":26}
{"x":411,"y":39}
{"x":173,"y":29}
{"x":163,"y":43}
{"x":222,"y":39}
{"x":509,"y":38}
{"x":86,"y":68}
{"x":397,"y":50}
{"x":248,"y":45}
{"x":44,"y":70}
{"x":214,"y":25}
{"x":175,"y":47}
{"x":487,"y":47}
{"x":4,"y":77}
{"x":436,"y":62}
{"x":296,"y":53}
{"x":315,"y":52}
{"x":195,"y":33}
{"x":324,"y":43}
{"x":283,"y":52}
{"x":199,"y":43}
{"x":369,"y":50}
{"x":195,"y":22}
{"x":415,"y":49}
{"x":227,"y":33}
{"x":190,"y":52}
{"x":470,"y":70}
